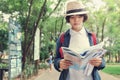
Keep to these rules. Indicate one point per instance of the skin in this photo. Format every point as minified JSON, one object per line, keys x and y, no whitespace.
{"x":76,"y":21}
{"x":96,"y":61}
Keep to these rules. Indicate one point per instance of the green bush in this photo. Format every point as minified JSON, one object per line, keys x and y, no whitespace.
{"x":43,"y":66}
{"x":28,"y":70}
{"x":3,"y":65}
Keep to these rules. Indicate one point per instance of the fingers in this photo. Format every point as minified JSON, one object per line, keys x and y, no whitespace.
{"x":96,"y":61}
{"x":64,"y":64}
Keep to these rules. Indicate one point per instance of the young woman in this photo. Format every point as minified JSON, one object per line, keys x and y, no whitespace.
{"x":50,"y":60}
{"x":76,"y":38}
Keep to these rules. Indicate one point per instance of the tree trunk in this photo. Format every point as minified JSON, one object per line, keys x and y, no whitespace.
{"x":110,"y":57}
{"x":116,"y":58}
{"x":97,"y":33}
{"x":119,"y":56}
{"x":61,"y":26}
{"x":103,"y":25}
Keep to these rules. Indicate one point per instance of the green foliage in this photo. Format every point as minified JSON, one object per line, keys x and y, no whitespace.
{"x":3,"y":66}
{"x":46,"y":48}
{"x":29,"y":69}
{"x":44,"y":53}
{"x":8,"y":6}
{"x":43,"y":66}
{"x":113,"y":25}
{"x":3,"y":40}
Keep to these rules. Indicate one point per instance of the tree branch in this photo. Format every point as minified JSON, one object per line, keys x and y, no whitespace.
{"x":26,"y":24}
{"x":54,"y":8}
{"x":36,"y":25}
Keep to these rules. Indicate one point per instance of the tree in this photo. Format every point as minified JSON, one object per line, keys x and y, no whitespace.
{"x":30,"y":14}
{"x":112,"y":25}
{"x":3,"y":34}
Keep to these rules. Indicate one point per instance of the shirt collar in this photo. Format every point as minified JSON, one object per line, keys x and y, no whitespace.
{"x":81,"y":32}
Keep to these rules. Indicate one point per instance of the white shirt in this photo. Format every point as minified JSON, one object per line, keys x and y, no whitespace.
{"x":79,"y":41}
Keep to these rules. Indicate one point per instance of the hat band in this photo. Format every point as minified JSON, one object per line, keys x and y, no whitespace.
{"x":75,"y":10}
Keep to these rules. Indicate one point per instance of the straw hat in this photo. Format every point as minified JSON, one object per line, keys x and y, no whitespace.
{"x":74,"y":8}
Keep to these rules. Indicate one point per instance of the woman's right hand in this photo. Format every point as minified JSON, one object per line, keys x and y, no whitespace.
{"x":64,"y":64}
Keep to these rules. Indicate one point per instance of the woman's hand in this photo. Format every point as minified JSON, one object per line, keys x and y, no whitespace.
{"x":64,"y":64}
{"x":96,"y":61}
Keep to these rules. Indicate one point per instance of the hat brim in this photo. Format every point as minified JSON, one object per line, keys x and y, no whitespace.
{"x":76,"y":13}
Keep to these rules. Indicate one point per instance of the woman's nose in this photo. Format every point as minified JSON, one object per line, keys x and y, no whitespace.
{"x":76,"y":19}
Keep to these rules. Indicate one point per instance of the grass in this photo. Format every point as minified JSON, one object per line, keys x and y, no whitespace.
{"x":113,"y":69}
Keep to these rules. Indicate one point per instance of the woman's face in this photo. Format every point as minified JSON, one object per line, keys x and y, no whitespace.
{"x":76,"y":22}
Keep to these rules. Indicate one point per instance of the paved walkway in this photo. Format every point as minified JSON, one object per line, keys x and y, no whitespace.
{"x":54,"y":75}
{"x":105,"y":76}
{"x":49,"y":75}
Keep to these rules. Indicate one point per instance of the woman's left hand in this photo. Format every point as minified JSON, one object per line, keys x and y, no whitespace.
{"x":96,"y":61}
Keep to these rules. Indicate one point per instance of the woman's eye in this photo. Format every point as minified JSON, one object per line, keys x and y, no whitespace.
{"x":72,"y":17}
{"x":80,"y":16}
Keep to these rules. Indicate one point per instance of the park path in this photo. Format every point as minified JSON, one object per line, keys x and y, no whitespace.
{"x":48,"y":75}
{"x":54,"y":75}
{"x":105,"y":76}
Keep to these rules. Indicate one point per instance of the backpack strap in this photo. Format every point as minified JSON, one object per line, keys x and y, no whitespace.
{"x":61,"y":41}
{"x":62,"y":38}
{"x":61,"y":52}
{"x":94,"y":38}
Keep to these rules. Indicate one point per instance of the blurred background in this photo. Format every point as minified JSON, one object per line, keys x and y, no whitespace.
{"x":29,"y":30}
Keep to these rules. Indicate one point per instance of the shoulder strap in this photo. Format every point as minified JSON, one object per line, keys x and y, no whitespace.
{"x":61,"y":41}
{"x":94,"y":38}
{"x":62,"y":38}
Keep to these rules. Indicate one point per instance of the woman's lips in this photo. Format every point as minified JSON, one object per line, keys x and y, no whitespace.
{"x":76,"y":24}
